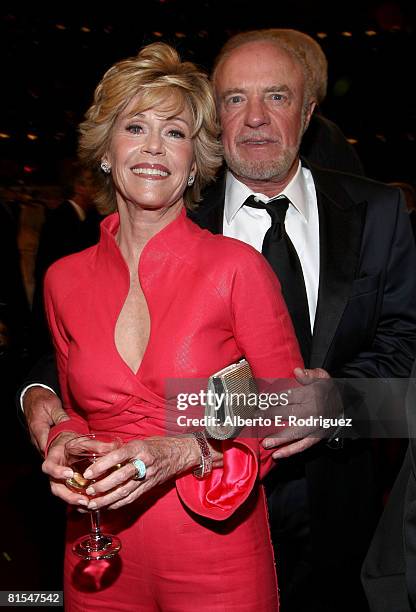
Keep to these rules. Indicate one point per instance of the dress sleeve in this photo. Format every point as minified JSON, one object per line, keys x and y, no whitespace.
{"x":61,"y":343}
{"x":264,"y":333}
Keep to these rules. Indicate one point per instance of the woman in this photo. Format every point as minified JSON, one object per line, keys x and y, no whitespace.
{"x":160,"y":299}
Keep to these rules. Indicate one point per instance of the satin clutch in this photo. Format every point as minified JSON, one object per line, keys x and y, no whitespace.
{"x":231,"y":400}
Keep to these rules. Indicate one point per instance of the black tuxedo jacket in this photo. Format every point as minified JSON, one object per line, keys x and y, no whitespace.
{"x":412,"y":216}
{"x":365,"y":326}
{"x":389,"y":570}
{"x":365,"y":323}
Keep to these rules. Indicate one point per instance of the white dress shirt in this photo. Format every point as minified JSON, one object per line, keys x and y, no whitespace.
{"x":301,"y":223}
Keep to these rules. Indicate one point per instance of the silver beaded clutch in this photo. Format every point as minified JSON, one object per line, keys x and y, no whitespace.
{"x":231,"y":400}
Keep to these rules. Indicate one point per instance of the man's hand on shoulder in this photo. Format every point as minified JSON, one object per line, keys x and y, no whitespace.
{"x":43,"y":409}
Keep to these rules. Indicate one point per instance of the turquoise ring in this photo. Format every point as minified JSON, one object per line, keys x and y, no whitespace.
{"x":140,"y":468}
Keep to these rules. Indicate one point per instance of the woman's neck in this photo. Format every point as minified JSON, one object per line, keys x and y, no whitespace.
{"x":138,"y":226}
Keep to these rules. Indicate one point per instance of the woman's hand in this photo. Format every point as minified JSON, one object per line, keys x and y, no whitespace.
{"x":54,"y":466}
{"x":164,"y":458}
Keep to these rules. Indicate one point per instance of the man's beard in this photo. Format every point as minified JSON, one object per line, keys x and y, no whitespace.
{"x":260,"y":169}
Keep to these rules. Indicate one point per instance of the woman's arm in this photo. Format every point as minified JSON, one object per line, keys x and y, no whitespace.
{"x":264,"y":333}
{"x":165,"y":458}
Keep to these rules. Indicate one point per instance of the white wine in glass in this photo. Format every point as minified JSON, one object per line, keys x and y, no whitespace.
{"x":80,"y":453}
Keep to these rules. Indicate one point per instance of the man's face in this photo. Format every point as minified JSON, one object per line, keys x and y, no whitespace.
{"x":260,"y":94}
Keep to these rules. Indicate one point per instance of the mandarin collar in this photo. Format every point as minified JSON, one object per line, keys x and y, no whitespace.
{"x":172,"y":237}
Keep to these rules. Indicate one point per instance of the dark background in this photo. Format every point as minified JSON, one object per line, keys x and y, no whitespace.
{"x":52,"y":62}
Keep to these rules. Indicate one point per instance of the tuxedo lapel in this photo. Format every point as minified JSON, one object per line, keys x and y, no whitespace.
{"x":341,"y":223}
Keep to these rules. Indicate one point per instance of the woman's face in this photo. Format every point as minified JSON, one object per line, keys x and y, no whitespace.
{"x":151,"y":155}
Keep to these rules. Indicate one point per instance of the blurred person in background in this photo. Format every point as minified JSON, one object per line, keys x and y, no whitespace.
{"x":30,"y":222}
{"x":70,"y":227}
{"x":14,"y":312}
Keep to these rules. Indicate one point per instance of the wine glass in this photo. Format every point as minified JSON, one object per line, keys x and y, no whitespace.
{"x":80,"y":453}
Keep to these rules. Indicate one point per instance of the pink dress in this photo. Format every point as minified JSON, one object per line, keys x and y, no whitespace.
{"x":191,"y":544}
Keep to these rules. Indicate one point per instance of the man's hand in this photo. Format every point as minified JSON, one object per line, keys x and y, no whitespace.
{"x":42,"y":409}
{"x":318,"y":396}
{"x":57,"y":470}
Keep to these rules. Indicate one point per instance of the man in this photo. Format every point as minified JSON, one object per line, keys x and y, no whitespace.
{"x":14,"y":315}
{"x":69,"y":228}
{"x":389,"y":570}
{"x":13,"y":303}
{"x":73,"y":225}
{"x":323,"y":509}
{"x":354,"y":247}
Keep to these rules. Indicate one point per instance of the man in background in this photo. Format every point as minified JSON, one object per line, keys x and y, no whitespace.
{"x":69,"y":228}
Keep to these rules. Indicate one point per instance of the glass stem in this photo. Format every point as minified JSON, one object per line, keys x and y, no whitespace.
{"x":95,"y":525}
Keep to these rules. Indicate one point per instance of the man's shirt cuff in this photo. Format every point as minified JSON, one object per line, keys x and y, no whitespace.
{"x":27,"y":389}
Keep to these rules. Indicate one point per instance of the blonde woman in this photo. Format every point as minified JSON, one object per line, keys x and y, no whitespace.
{"x":157,"y":299}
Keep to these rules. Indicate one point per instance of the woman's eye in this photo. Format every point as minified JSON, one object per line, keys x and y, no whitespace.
{"x":176,"y":134}
{"x":234,"y":99}
{"x":134,"y":129}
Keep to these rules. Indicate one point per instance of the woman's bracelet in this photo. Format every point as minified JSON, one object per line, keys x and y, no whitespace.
{"x":205,"y":467}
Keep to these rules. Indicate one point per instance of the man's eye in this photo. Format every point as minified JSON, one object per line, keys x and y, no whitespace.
{"x":277,"y":97}
{"x":134,"y":129}
{"x":176,"y":134}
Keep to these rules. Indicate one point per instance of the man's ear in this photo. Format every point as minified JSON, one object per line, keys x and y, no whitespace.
{"x":308,"y":114}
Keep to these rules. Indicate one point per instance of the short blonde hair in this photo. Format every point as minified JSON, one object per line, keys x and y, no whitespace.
{"x":155,"y":75}
{"x":301,"y":47}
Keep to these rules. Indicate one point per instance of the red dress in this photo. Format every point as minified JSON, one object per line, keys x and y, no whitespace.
{"x":191,"y":544}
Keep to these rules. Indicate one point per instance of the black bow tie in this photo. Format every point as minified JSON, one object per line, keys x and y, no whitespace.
{"x":282,"y":256}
